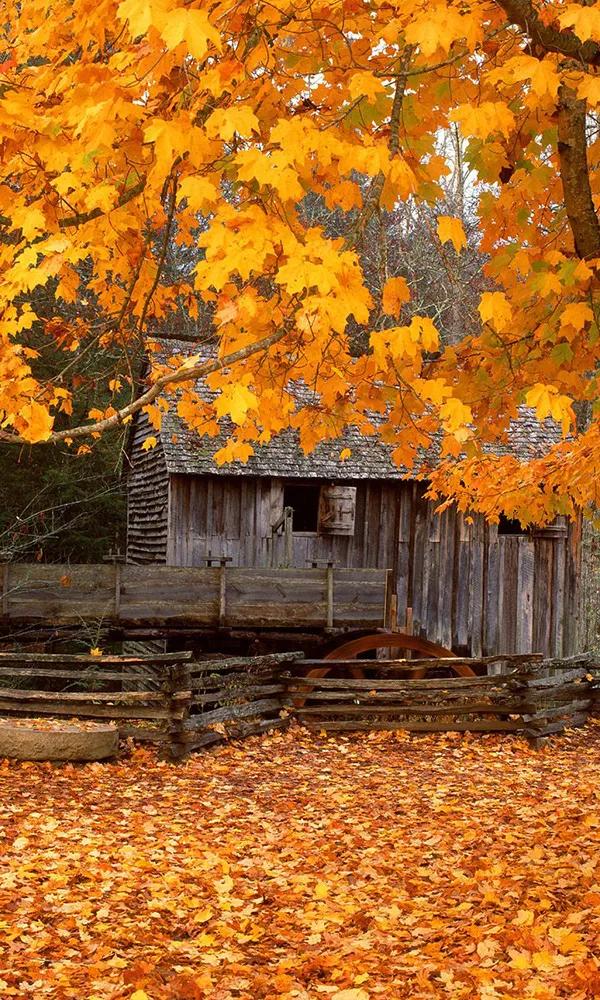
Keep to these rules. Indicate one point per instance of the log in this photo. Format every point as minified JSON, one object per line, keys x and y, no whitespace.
{"x":116,"y":697}
{"x":247,"y":664}
{"x":300,"y":684}
{"x":86,"y":658}
{"x":18,"y":672}
{"x":87,"y":709}
{"x":423,"y":698}
{"x":516,"y":659}
{"x":246,"y":693}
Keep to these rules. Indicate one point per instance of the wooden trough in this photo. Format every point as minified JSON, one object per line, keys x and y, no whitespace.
{"x":28,"y":739}
{"x":212,"y":596}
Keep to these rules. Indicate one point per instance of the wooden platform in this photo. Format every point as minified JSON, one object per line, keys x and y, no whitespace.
{"x":216,"y":596}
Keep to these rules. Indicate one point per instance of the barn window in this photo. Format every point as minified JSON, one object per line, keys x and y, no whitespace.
{"x":304,"y":500}
{"x":510,"y":526}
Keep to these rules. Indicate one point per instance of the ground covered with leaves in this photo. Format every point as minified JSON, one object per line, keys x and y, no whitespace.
{"x":306,"y":867}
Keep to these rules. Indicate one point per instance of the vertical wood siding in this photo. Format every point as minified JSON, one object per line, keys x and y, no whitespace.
{"x":469,"y":588}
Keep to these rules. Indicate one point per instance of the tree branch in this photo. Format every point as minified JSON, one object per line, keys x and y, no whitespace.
{"x":183,"y":374}
{"x":572,"y":142}
{"x":544,"y":36}
{"x":80,"y":218}
{"x":373,"y":195}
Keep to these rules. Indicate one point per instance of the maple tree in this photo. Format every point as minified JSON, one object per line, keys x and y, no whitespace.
{"x":127,"y":124}
{"x":294,"y":866}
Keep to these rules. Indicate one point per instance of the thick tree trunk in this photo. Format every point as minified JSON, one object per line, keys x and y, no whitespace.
{"x":572,"y":144}
{"x":574,"y":171}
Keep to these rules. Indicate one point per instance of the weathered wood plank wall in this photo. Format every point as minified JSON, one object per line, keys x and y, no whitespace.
{"x":469,"y":588}
{"x":148,"y":498}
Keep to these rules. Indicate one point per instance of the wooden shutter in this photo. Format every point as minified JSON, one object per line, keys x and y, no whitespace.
{"x":337,"y":510}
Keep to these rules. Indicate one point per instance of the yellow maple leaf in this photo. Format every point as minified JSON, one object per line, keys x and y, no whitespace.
{"x":234,"y":451}
{"x":451,"y":230}
{"x":345,"y":453}
{"x":199,"y":192}
{"x":321,"y":890}
{"x":102,"y":196}
{"x":428,"y":335}
{"x":234,"y":401}
{"x":585,"y":21}
{"x":351,"y":994}
{"x":400,"y":182}
{"x":576,"y":314}
{"x":520,"y":960}
{"x":589,"y":89}
{"x":543,"y":961}
{"x":365,"y":84}
{"x":495,"y":309}
{"x":138,"y":13}
{"x":548,"y":402}
{"x":395,"y":293}
{"x":437,"y":28}
{"x":524,"y":918}
{"x":225,"y":122}
{"x":192,"y":27}
{"x":149,"y":443}
{"x":541,"y":72}
{"x":38,"y":422}
{"x":455,"y":414}
{"x":485,"y":119}
{"x":30,"y":219}
{"x":434,"y":389}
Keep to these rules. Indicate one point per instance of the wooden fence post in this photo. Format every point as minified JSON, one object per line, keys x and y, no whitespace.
{"x":178,"y":696}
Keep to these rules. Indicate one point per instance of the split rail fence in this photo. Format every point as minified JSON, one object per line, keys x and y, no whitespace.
{"x":524,"y":694}
{"x":184,"y":705}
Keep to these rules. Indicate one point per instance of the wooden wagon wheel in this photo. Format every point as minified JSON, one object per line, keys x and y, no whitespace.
{"x":380,"y":640}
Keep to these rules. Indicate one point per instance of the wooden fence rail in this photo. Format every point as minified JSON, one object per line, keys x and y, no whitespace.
{"x":185,"y":705}
{"x":143,"y":694}
{"x":530,"y":695}
{"x":218,"y":596}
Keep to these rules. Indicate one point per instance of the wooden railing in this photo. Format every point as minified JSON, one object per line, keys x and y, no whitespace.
{"x":219,"y":596}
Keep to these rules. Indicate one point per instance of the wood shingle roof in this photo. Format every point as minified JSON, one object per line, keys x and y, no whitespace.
{"x":186,"y":451}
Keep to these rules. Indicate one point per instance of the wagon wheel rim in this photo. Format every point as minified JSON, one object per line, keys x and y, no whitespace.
{"x":401,"y":640}
{"x":381,"y":640}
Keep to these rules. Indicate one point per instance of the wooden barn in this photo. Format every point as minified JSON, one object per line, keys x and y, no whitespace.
{"x":477,"y":589}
